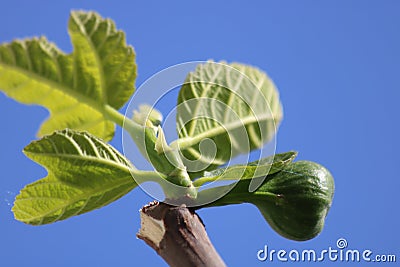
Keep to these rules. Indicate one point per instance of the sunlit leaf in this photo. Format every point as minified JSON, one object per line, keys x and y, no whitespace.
{"x":224,"y":110}
{"x":74,"y":87}
{"x":84,"y":173}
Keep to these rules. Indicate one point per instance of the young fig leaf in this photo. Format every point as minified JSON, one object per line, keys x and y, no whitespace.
{"x":78,"y":87}
{"x":255,"y":169}
{"x":235,"y":107}
{"x":294,"y":201}
{"x":84,"y":174}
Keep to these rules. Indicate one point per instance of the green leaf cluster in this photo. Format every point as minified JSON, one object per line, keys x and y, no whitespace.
{"x":234,"y":106}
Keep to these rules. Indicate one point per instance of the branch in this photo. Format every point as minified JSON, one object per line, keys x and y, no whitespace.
{"x":178,"y":235}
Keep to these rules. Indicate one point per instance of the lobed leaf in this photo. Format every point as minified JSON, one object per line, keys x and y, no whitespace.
{"x":84,"y":174}
{"x":74,"y":87}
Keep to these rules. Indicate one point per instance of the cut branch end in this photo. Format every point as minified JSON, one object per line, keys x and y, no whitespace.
{"x":178,"y":235}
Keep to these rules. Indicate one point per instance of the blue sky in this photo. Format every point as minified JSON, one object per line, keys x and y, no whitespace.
{"x":336,"y":65}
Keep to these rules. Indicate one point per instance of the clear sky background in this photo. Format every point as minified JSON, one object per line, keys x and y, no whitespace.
{"x":336,"y":64}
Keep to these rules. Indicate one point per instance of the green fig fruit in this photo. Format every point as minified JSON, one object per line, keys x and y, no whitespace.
{"x":294,"y":201}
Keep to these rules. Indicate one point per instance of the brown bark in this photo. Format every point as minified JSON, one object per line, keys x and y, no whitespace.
{"x":178,"y":235}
